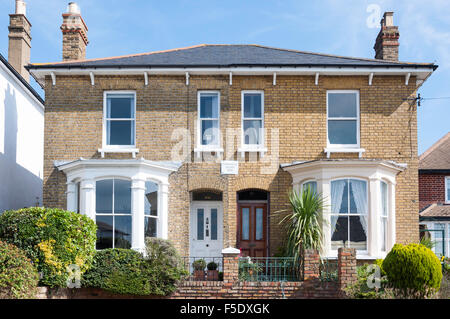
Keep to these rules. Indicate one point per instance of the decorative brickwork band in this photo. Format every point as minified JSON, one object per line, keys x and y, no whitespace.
{"x":346,"y":267}
{"x":311,"y":264}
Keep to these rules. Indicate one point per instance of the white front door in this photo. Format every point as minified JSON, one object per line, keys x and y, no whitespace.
{"x":206,"y":229}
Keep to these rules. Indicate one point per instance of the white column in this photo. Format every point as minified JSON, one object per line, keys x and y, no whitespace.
{"x":137,"y":212}
{"x":71,"y":197}
{"x":163,"y":220}
{"x":391,"y":218}
{"x":87,"y":205}
{"x":374,"y":223}
{"x":324,"y":188}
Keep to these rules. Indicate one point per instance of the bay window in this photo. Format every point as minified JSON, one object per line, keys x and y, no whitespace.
{"x":312,"y":185}
{"x":349,"y":212}
{"x":151,"y":209}
{"x":343,"y":119}
{"x":253,"y":118}
{"x":384,"y":215}
{"x":113,"y":213}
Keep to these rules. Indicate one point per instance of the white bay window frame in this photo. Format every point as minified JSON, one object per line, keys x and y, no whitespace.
{"x":111,"y":148}
{"x":138,"y":171}
{"x":371,"y":171}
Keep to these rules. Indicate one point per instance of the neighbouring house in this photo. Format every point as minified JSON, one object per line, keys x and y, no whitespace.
{"x":434,"y":194}
{"x":21,"y":122}
{"x":201,"y":145}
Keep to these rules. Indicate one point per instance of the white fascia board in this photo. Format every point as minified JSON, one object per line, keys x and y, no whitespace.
{"x":419,"y":72}
{"x":15,"y":79}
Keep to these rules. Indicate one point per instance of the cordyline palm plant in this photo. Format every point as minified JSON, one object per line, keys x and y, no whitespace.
{"x":304,"y":223}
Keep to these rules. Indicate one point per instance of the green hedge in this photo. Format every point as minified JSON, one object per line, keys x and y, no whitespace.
{"x":413,"y":270}
{"x":125,"y":271}
{"x":52,"y":238}
{"x":18,"y":277}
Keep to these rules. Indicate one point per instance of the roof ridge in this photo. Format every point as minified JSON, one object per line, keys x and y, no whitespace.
{"x":433,"y":147}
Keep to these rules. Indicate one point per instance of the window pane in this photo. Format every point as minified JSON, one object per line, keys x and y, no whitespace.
{"x":150,"y":227}
{"x":214,"y":224}
{"x":342,"y":132}
{"x":120,"y":132}
{"x":151,"y":199}
{"x":342,"y":105}
{"x":120,"y":106}
{"x":122,"y":233}
{"x":122,"y":197}
{"x":252,"y":105}
{"x":384,"y":208}
{"x":439,"y":239}
{"x":103,"y":196}
{"x":252,"y":132}
{"x":358,"y":232}
{"x":245,"y":223}
{"x":259,"y":224}
{"x":312,"y":186}
{"x":104,"y":232}
{"x":200,"y":223}
{"x":383,"y":234}
{"x":210,"y":132}
{"x":339,"y":196}
{"x":209,"y":106}
{"x":339,"y":236}
{"x":358,"y":197}
{"x":448,"y":189}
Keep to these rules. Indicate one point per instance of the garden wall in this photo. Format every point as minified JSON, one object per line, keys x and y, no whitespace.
{"x":312,"y":287}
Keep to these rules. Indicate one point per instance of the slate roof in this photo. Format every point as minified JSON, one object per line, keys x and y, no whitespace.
{"x":233,"y":55}
{"x":436,"y":210}
{"x":437,"y":157}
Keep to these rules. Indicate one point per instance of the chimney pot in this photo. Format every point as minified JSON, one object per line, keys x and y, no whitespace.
{"x":73,"y":8}
{"x":388,"y":19}
{"x":74,"y":32}
{"x":21,"y":7}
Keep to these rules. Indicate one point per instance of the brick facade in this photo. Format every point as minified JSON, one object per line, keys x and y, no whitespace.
{"x":295,"y":106}
{"x":431,"y":189}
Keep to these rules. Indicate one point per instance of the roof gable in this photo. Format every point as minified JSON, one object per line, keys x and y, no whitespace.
{"x":437,"y":156}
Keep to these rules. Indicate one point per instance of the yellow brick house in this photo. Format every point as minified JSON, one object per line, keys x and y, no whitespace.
{"x":201,"y":145}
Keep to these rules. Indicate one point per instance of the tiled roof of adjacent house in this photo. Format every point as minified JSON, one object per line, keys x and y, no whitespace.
{"x":436,"y":210}
{"x":233,"y":55}
{"x":437,"y":157}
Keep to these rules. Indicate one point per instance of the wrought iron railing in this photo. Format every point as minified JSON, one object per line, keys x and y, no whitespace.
{"x":202,"y":268}
{"x":268,"y":269}
{"x":328,"y":270}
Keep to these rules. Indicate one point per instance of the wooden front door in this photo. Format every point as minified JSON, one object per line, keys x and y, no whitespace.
{"x":252,"y":229}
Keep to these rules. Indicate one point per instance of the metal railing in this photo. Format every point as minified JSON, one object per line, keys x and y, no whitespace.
{"x":328,"y":270}
{"x":268,"y":269}
{"x":199,"y":268}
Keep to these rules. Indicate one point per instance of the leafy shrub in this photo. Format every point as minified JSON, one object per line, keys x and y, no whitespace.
{"x":52,"y":238}
{"x":211,"y":266}
{"x":122,"y":271}
{"x":361,"y":289}
{"x":18,"y":277}
{"x":199,"y":264}
{"x":125,"y":271}
{"x":413,"y":271}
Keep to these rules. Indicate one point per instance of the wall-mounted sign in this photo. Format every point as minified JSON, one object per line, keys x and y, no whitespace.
{"x":229,"y":167}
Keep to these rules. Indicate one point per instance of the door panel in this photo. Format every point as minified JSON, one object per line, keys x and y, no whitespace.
{"x":206,"y":230}
{"x":252,"y":226}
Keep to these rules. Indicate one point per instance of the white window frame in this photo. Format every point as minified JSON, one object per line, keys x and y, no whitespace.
{"x":112,"y":210}
{"x":302,"y":185}
{"x":158,"y":203}
{"x":118,"y":148}
{"x":447,"y":187}
{"x":387,"y":217}
{"x":252,"y":147}
{"x":200,"y":146}
{"x":345,"y":146}
{"x":368,"y":234}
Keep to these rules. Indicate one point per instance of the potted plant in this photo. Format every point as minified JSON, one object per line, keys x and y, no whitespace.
{"x":213,"y":273}
{"x":199,"y":269}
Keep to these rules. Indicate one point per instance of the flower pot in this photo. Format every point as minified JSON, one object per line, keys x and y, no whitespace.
{"x":213,"y":275}
{"x":199,"y":274}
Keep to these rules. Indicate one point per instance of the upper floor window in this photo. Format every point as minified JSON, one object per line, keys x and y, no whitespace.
{"x":253,"y":118}
{"x":447,"y":189}
{"x":343,"y":118}
{"x":119,"y":119}
{"x":208,"y":118}
{"x":349,"y":210}
{"x":113,"y":213}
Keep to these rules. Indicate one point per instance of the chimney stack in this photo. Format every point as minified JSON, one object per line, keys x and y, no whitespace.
{"x":386,"y":44}
{"x":19,"y":40}
{"x":74,"y":32}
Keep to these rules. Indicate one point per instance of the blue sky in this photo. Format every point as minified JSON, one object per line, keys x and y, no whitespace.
{"x":118,"y":27}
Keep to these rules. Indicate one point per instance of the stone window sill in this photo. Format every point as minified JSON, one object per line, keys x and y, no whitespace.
{"x":329,"y":150}
{"x":134,"y":151}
